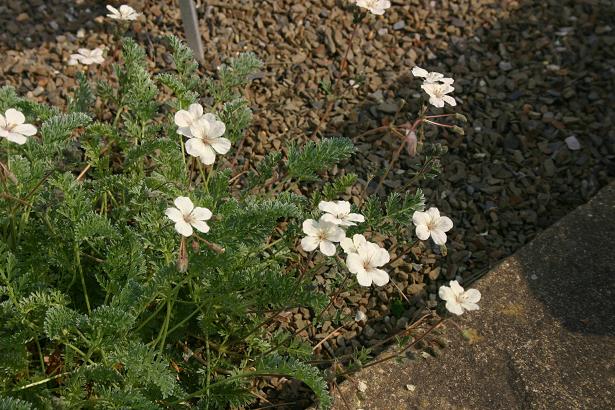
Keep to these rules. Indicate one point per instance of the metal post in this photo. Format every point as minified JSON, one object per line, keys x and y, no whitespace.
{"x":191,"y":28}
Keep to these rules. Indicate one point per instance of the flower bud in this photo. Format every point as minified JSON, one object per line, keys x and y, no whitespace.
{"x":411,"y":143}
{"x":182,"y":257}
{"x":461,"y":117}
{"x":458,"y":130}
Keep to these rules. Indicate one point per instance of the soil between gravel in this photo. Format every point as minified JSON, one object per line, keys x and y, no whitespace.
{"x":528,"y":74}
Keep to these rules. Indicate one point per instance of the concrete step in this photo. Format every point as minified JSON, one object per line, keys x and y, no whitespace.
{"x":545,"y":331}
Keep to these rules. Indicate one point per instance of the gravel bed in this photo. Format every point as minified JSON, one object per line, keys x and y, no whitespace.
{"x":535,"y":79}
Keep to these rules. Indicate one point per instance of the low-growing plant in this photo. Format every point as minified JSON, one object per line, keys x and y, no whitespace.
{"x":141,"y":269}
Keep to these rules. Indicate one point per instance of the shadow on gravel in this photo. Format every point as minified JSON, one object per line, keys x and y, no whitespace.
{"x":28,"y":24}
{"x":527,"y":83}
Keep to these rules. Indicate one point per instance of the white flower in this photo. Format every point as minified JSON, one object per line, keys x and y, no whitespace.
{"x":374,"y":6}
{"x":87,"y":57}
{"x":321,"y":234}
{"x":338,"y":212}
{"x":437,"y":94}
{"x":431,"y":223}
{"x":457,"y":300}
{"x":185,"y":118}
{"x":206,"y":139}
{"x":431,"y":77}
{"x":351,"y":245}
{"x":13,"y":127}
{"x":186,"y":216}
{"x":365,"y":264}
{"x":124,"y":13}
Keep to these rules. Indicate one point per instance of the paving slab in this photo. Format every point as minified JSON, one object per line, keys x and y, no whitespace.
{"x":545,"y":331}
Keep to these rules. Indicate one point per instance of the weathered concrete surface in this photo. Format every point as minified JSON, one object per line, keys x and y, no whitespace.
{"x":546,"y":331}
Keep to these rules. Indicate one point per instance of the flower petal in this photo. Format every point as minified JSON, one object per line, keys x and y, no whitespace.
{"x":184,"y":204}
{"x":201,"y":214}
{"x":347,"y":245}
{"x":439,"y":237}
{"x":354,"y":262}
{"x":16,"y":138}
{"x":14,"y":117}
{"x":199,"y":128}
{"x":355,"y":218}
{"x":446,"y":293}
{"x":343,"y":207}
{"x":364,"y":278}
{"x":358,"y":240}
{"x":469,"y":306}
{"x":456,"y":288}
{"x":201,"y":226}
{"x":328,"y":206}
{"x":196,"y":110}
{"x":2,"y":121}
{"x":436,"y":102}
{"x":422,"y":232}
{"x":419,"y":72}
{"x":381,"y":257}
{"x":183,"y":228}
{"x":449,"y":100}
{"x":217,"y":129}
{"x":183,"y":118}
{"x":125,"y":9}
{"x":220,"y":145}
{"x":444,"y":224}
{"x":472,"y":296}
{"x":25,"y":129}
{"x":336,"y":234}
{"x":327,"y":248}
{"x":311,"y":227}
{"x":433,"y":213}
{"x":208,"y":156}
{"x":420,"y":218}
{"x":309,"y":243}
{"x":174,"y":214}
{"x":209,"y":117}
{"x":185,"y":131}
{"x":195,"y":147}
{"x":332,"y":219}
{"x":454,"y":308}
{"x":379,"y":276}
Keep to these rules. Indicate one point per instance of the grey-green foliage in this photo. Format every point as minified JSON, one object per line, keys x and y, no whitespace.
{"x":94,"y":312}
{"x":395,"y":213}
{"x":10,"y":403}
{"x":233,"y":75}
{"x":305,"y":162}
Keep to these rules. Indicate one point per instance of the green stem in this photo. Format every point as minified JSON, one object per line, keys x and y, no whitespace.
{"x":117,"y":116}
{"x":165,"y":327}
{"x":80,"y":269}
{"x":38,"y":383}
{"x":187,"y":318}
{"x":40,"y":354}
{"x":80,"y":352}
{"x":150,"y":317}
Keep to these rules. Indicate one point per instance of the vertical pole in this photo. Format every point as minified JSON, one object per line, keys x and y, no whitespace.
{"x":191,"y":28}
